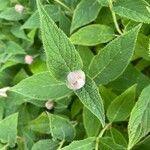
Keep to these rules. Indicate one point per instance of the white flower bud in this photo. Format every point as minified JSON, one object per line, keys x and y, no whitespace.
{"x":19,"y":8}
{"x":3,"y":91}
{"x":28,"y":59}
{"x":76,"y":80}
{"x":49,"y":104}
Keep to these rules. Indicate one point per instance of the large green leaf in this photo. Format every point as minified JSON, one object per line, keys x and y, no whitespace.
{"x":42,"y":86}
{"x":114,"y":58}
{"x":86,"y":144}
{"x":90,"y":97}
{"x":85,"y":12}
{"x":139,"y":123}
{"x":120,"y":108}
{"x":133,"y":9}
{"x":92,"y":35}
{"x":61,"y":128}
{"x":61,"y":54}
{"x":8,"y":129}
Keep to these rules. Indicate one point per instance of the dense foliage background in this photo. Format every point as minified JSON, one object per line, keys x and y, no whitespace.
{"x":112,"y":46}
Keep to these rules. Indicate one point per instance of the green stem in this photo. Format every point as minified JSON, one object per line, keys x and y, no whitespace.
{"x":101,"y":134}
{"x":65,"y":6}
{"x":114,"y":17}
{"x":61,"y":144}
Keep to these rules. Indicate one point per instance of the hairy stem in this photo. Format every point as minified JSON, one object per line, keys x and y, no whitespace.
{"x":61,"y":144}
{"x":114,"y":17}
{"x":101,"y":134}
{"x":63,"y":5}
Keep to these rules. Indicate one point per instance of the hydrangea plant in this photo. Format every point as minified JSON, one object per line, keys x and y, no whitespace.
{"x":74,"y":74}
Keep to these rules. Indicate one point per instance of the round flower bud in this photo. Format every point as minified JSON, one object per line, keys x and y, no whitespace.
{"x":49,"y":105}
{"x":76,"y":80}
{"x":19,"y":8}
{"x":3,"y":91}
{"x":28,"y":59}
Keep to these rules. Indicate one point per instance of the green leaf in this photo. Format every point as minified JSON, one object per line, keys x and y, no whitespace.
{"x":85,"y":12}
{"x":4,"y":4}
{"x":62,"y":56}
{"x":92,"y":35}
{"x":128,"y":78}
{"x":40,"y":124}
{"x":114,"y":58}
{"x":34,"y":22}
{"x":110,"y":144}
{"x":120,"y":108}
{"x":107,"y":96}
{"x":41,"y":86}
{"x":139,"y":124}
{"x":118,"y":137}
{"x":14,"y":48}
{"x":90,"y":97}
{"x":133,"y":9}
{"x":8,"y":129}
{"x":61,"y":128}
{"x":11,"y":15}
{"x":18,"y":32}
{"x":103,"y":2}
{"x":45,"y":144}
{"x":85,"y":51}
{"x":93,"y":126}
{"x":86,"y":144}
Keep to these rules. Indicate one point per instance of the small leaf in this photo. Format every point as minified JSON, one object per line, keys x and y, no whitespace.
{"x":34,"y":22}
{"x":93,"y":126}
{"x":41,"y":86}
{"x":8,"y":129}
{"x":139,"y":124}
{"x":114,"y":58}
{"x":103,"y":2}
{"x":62,"y":56}
{"x":86,"y":60}
{"x":14,"y":49}
{"x":11,"y":14}
{"x":117,"y":136}
{"x":86,"y":144}
{"x":61,"y":128}
{"x":90,"y":97}
{"x":40,"y":124}
{"x":85,"y":12}
{"x":120,"y":108}
{"x":130,"y":76}
{"x":110,"y":144}
{"x":92,"y":35}
{"x":133,"y":9}
{"x":45,"y":144}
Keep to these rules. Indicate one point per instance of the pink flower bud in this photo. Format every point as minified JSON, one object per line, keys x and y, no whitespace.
{"x":3,"y":91}
{"x":49,"y":104}
{"x":19,"y":8}
{"x":76,"y":80}
{"x":28,"y":59}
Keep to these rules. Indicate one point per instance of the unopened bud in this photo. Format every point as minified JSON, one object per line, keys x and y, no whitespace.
{"x":19,"y":8}
{"x":49,"y":104}
{"x":28,"y":59}
{"x":3,"y":91}
{"x":76,"y":80}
